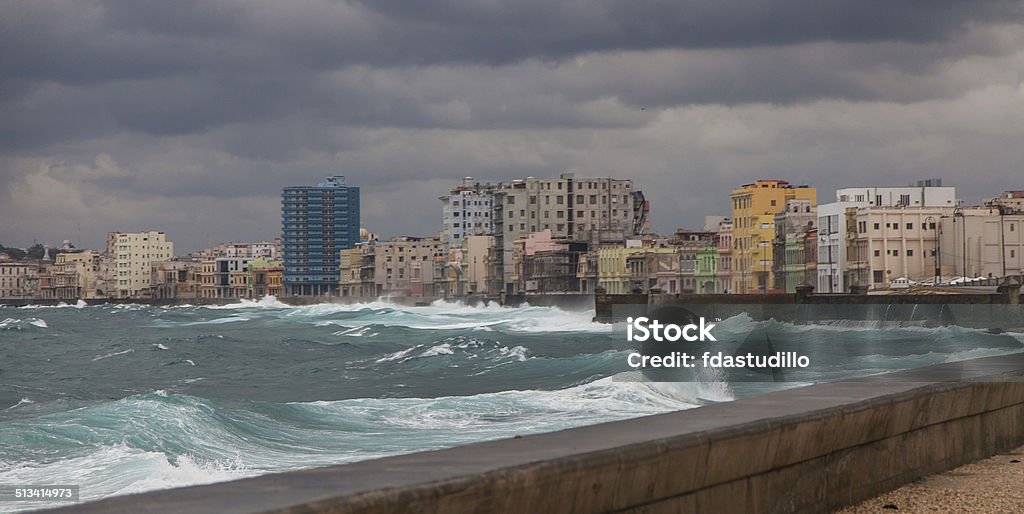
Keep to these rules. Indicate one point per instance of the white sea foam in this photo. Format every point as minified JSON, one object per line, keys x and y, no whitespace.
{"x":19,"y":324}
{"x":266,"y":302}
{"x":120,"y":469}
{"x":115,"y":354}
{"x":23,"y":401}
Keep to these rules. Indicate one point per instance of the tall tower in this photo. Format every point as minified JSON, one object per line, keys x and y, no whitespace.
{"x":317,"y":222}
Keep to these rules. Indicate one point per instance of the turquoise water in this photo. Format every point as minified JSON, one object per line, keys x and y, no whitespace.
{"x":123,"y":399}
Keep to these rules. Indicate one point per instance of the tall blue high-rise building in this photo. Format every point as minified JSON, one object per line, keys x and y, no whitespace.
{"x":317,"y":222}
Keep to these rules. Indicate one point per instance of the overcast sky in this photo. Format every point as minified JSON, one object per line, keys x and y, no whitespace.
{"x":189,"y":116}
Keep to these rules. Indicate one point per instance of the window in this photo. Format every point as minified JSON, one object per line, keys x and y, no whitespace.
{"x":773,"y":203}
{"x":910,"y":252}
{"x":878,"y":253}
{"x":877,"y":226}
{"x":879,"y":276}
{"x":910,"y":226}
{"x":895,"y":253}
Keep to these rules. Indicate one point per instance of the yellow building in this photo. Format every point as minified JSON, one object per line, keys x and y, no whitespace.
{"x":754,"y":207}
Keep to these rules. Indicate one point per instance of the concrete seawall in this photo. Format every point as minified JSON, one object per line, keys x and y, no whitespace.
{"x":810,"y":449}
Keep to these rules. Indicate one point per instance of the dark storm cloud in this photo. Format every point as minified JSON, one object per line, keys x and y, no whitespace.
{"x":171,"y":114}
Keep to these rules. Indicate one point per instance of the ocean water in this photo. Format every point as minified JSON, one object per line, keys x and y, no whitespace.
{"x":129,"y":398}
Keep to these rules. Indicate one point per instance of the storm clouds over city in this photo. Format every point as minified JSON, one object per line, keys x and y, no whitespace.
{"x":189,"y":117}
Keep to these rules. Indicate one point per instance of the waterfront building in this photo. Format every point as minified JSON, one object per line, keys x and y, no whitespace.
{"x":982,"y":242}
{"x":842,"y":260}
{"x":754,"y":207}
{"x":724,"y":246}
{"x":791,"y":257}
{"x":266,"y":278}
{"x":466,"y":212}
{"x":409,"y":266}
{"x":638,"y":269}
{"x":224,"y":277}
{"x":547,"y":265}
{"x":897,"y":243}
{"x":178,"y":279}
{"x":75,"y":275}
{"x":475,"y":255}
{"x":18,"y":280}
{"x":690,"y":243}
{"x":136,"y":255}
{"x":317,"y":222}
{"x":597,"y":211}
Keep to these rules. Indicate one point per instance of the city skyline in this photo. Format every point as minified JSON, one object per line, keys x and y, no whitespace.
{"x":689,"y":224}
{"x":190,"y":119}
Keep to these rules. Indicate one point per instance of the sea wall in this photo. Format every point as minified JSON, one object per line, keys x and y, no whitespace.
{"x":604,"y":303}
{"x":809,"y":449}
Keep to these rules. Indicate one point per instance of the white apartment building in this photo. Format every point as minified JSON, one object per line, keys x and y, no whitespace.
{"x":982,"y":242}
{"x":909,"y":196}
{"x":264,"y":250}
{"x":136,"y":257}
{"x":466,"y":212}
{"x":833,"y":239}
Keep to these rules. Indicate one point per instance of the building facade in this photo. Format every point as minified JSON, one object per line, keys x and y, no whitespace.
{"x":591,"y":210}
{"x":754,"y":207}
{"x":18,"y":280}
{"x":466,"y":211}
{"x":982,"y":242}
{"x":897,"y":242}
{"x":791,"y":259}
{"x":317,"y":223}
{"x":843,"y":257}
{"x":136,"y":255}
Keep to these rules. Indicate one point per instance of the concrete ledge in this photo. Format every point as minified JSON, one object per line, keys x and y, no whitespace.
{"x":804,"y":450}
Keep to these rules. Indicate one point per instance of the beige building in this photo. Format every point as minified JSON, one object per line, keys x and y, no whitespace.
{"x":136,"y":257}
{"x":982,"y":242}
{"x":18,"y":280}
{"x":178,"y":279}
{"x":638,"y":269}
{"x":224,"y":277}
{"x":76,"y":275}
{"x":475,"y":258}
{"x":897,"y":242}
{"x":408,"y":266}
